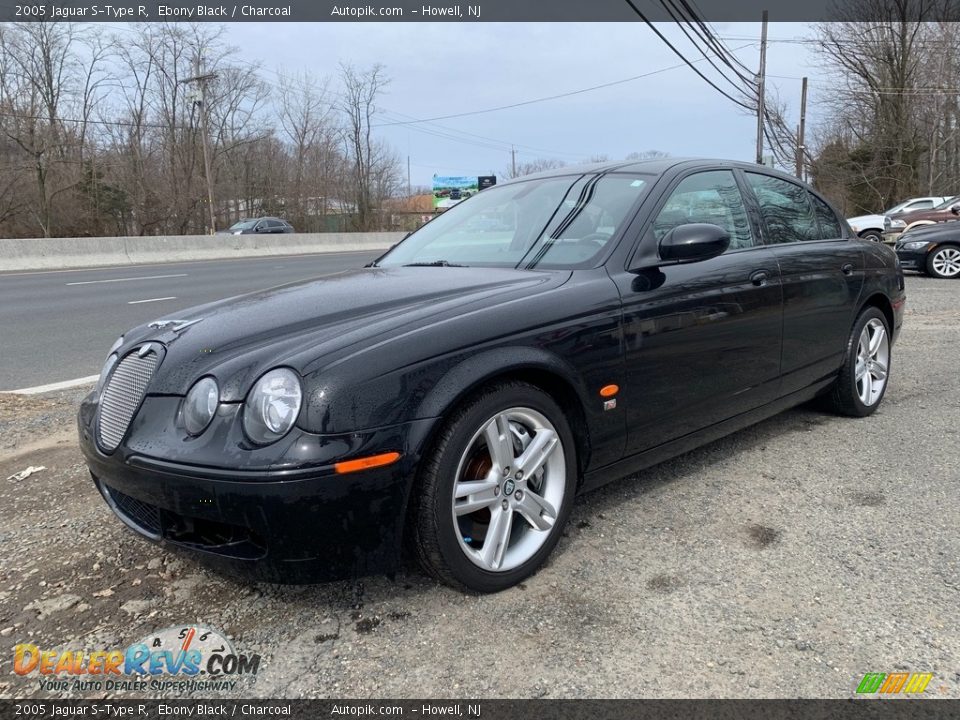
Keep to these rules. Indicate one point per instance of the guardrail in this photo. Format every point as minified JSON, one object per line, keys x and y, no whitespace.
{"x":65,"y":253}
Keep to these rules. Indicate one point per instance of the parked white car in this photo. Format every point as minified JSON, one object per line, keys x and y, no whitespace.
{"x":870,"y":227}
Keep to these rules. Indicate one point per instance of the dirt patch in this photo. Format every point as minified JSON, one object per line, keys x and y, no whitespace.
{"x":867,"y":499}
{"x":664,"y":583}
{"x":762,"y":536}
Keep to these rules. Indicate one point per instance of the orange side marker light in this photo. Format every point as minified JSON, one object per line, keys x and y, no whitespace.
{"x":349,"y":466}
{"x":609,"y":390}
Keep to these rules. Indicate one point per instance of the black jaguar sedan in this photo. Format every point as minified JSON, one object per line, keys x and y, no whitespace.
{"x":538,"y":340}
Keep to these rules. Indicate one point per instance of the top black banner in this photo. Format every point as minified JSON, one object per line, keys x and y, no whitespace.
{"x":472,"y":10}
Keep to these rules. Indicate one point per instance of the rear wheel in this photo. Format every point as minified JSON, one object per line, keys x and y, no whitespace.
{"x":495,"y":490}
{"x":863,"y":378}
{"x":872,"y":235}
{"x":944,"y":262}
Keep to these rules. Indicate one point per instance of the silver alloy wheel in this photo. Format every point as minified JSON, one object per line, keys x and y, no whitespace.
{"x":509,"y":488}
{"x":946,"y":261}
{"x":873,"y":360}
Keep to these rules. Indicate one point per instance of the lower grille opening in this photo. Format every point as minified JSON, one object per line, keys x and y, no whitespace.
{"x":209,"y":535}
{"x":141,"y":514}
{"x":204,"y":533}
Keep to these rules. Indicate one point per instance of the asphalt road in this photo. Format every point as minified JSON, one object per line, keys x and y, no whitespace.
{"x":57,"y":326}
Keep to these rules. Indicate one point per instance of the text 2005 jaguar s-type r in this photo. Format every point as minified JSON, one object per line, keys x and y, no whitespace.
{"x":533,"y":342}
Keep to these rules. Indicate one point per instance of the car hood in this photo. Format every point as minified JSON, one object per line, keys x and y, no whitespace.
{"x":937,"y":215}
{"x":237,"y":339}
{"x":930,"y":232}
{"x":866,"y":219}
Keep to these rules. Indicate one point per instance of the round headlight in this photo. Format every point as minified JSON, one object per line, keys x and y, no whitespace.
{"x":200,"y":405}
{"x":272,"y":406}
{"x":107,"y":367}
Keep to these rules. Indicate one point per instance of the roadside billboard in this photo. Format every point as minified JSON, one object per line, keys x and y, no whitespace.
{"x":449,"y":190}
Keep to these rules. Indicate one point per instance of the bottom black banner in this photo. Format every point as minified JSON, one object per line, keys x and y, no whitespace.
{"x":886,"y":709}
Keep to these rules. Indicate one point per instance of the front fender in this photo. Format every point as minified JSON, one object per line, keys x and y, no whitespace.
{"x":464,"y":378}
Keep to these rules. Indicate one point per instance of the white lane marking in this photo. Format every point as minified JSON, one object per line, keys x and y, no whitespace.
{"x":65,"y":385}
{"x":137,"y":302}
{"x":190,"y":262}
{"x":128,"y":279}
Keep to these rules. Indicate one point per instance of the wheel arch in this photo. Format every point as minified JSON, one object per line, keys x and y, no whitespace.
{"x":883,"y":304}
{"x":461,"y":383}
{"x":530,"y":365}
{"x":918,"y":223}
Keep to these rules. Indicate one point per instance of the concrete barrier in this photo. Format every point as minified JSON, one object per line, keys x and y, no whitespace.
{"x":66,"y":253}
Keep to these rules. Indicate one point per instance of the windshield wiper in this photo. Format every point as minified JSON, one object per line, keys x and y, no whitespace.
{"x":435,"y":263}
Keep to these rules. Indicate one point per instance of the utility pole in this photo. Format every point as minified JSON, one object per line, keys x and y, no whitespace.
{"x":761,"y":83}
{"x":513,"y":161}
{"x":801,"y":147}
{"x":409,"y":189}
{"x":201,"y":79}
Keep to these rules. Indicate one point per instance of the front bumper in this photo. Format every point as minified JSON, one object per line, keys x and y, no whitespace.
{"x":913,"y":259}
{"x":299,"y":522}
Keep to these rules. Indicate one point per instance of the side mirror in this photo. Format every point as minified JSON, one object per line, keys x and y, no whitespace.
{"x":955,"y":209}
{"x":693,"y":242}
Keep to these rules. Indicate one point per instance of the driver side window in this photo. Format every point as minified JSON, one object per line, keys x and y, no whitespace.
{"x":708,"y":197}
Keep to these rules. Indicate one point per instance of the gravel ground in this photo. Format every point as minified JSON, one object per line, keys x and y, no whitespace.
{"x":786,"y":560}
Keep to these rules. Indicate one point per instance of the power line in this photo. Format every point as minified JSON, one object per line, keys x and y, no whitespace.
{"x":117,"y":123}
{"x":550,"y":97}
{"x":500,"y":144}
{"x":685,"y":60}
{"x":704,"y":35}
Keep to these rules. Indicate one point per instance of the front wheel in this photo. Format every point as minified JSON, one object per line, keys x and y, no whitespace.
{"x":495,"y":490}
{"x":872,"y":235}
{"x":863,"y":377}
{"x":944,"y":262}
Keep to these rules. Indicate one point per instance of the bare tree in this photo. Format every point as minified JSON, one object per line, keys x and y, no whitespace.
{"x":532,"y":166}
{"x":647,"y":155}
{"x":42,"y":82}
{"x":890,"y":118}
{"x":102,"y":135}
{"x":361,"y":88}
{"x":306,"y":116}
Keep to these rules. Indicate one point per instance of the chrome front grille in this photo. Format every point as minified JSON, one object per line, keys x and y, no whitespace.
{"x":122,"y":395}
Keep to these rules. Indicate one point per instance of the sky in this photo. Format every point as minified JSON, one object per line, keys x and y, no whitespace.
{"x":440,"y":69}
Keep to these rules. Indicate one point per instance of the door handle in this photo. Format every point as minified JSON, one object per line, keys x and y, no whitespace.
{"x":759,"y":278}
{"x":847,"y":269}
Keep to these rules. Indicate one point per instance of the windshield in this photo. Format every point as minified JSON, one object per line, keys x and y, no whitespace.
{"x":557,"y":222}
{"x":243,"y":225}
{"x":946,"y":205}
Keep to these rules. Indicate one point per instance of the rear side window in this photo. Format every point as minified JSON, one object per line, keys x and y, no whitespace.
{"x":785,"y":208}
{"x":829,"y":225}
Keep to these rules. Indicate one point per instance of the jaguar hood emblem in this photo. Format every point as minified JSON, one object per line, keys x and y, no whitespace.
{"x":174,"y":325}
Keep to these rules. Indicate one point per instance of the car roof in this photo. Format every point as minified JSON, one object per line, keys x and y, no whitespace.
{"x":653,"y":167}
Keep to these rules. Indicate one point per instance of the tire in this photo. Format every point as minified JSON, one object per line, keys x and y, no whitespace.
{"x":944,"y":262}
{"x":450,"y":535}
{"x":855,"y":393}
{"x":872,"y":235}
